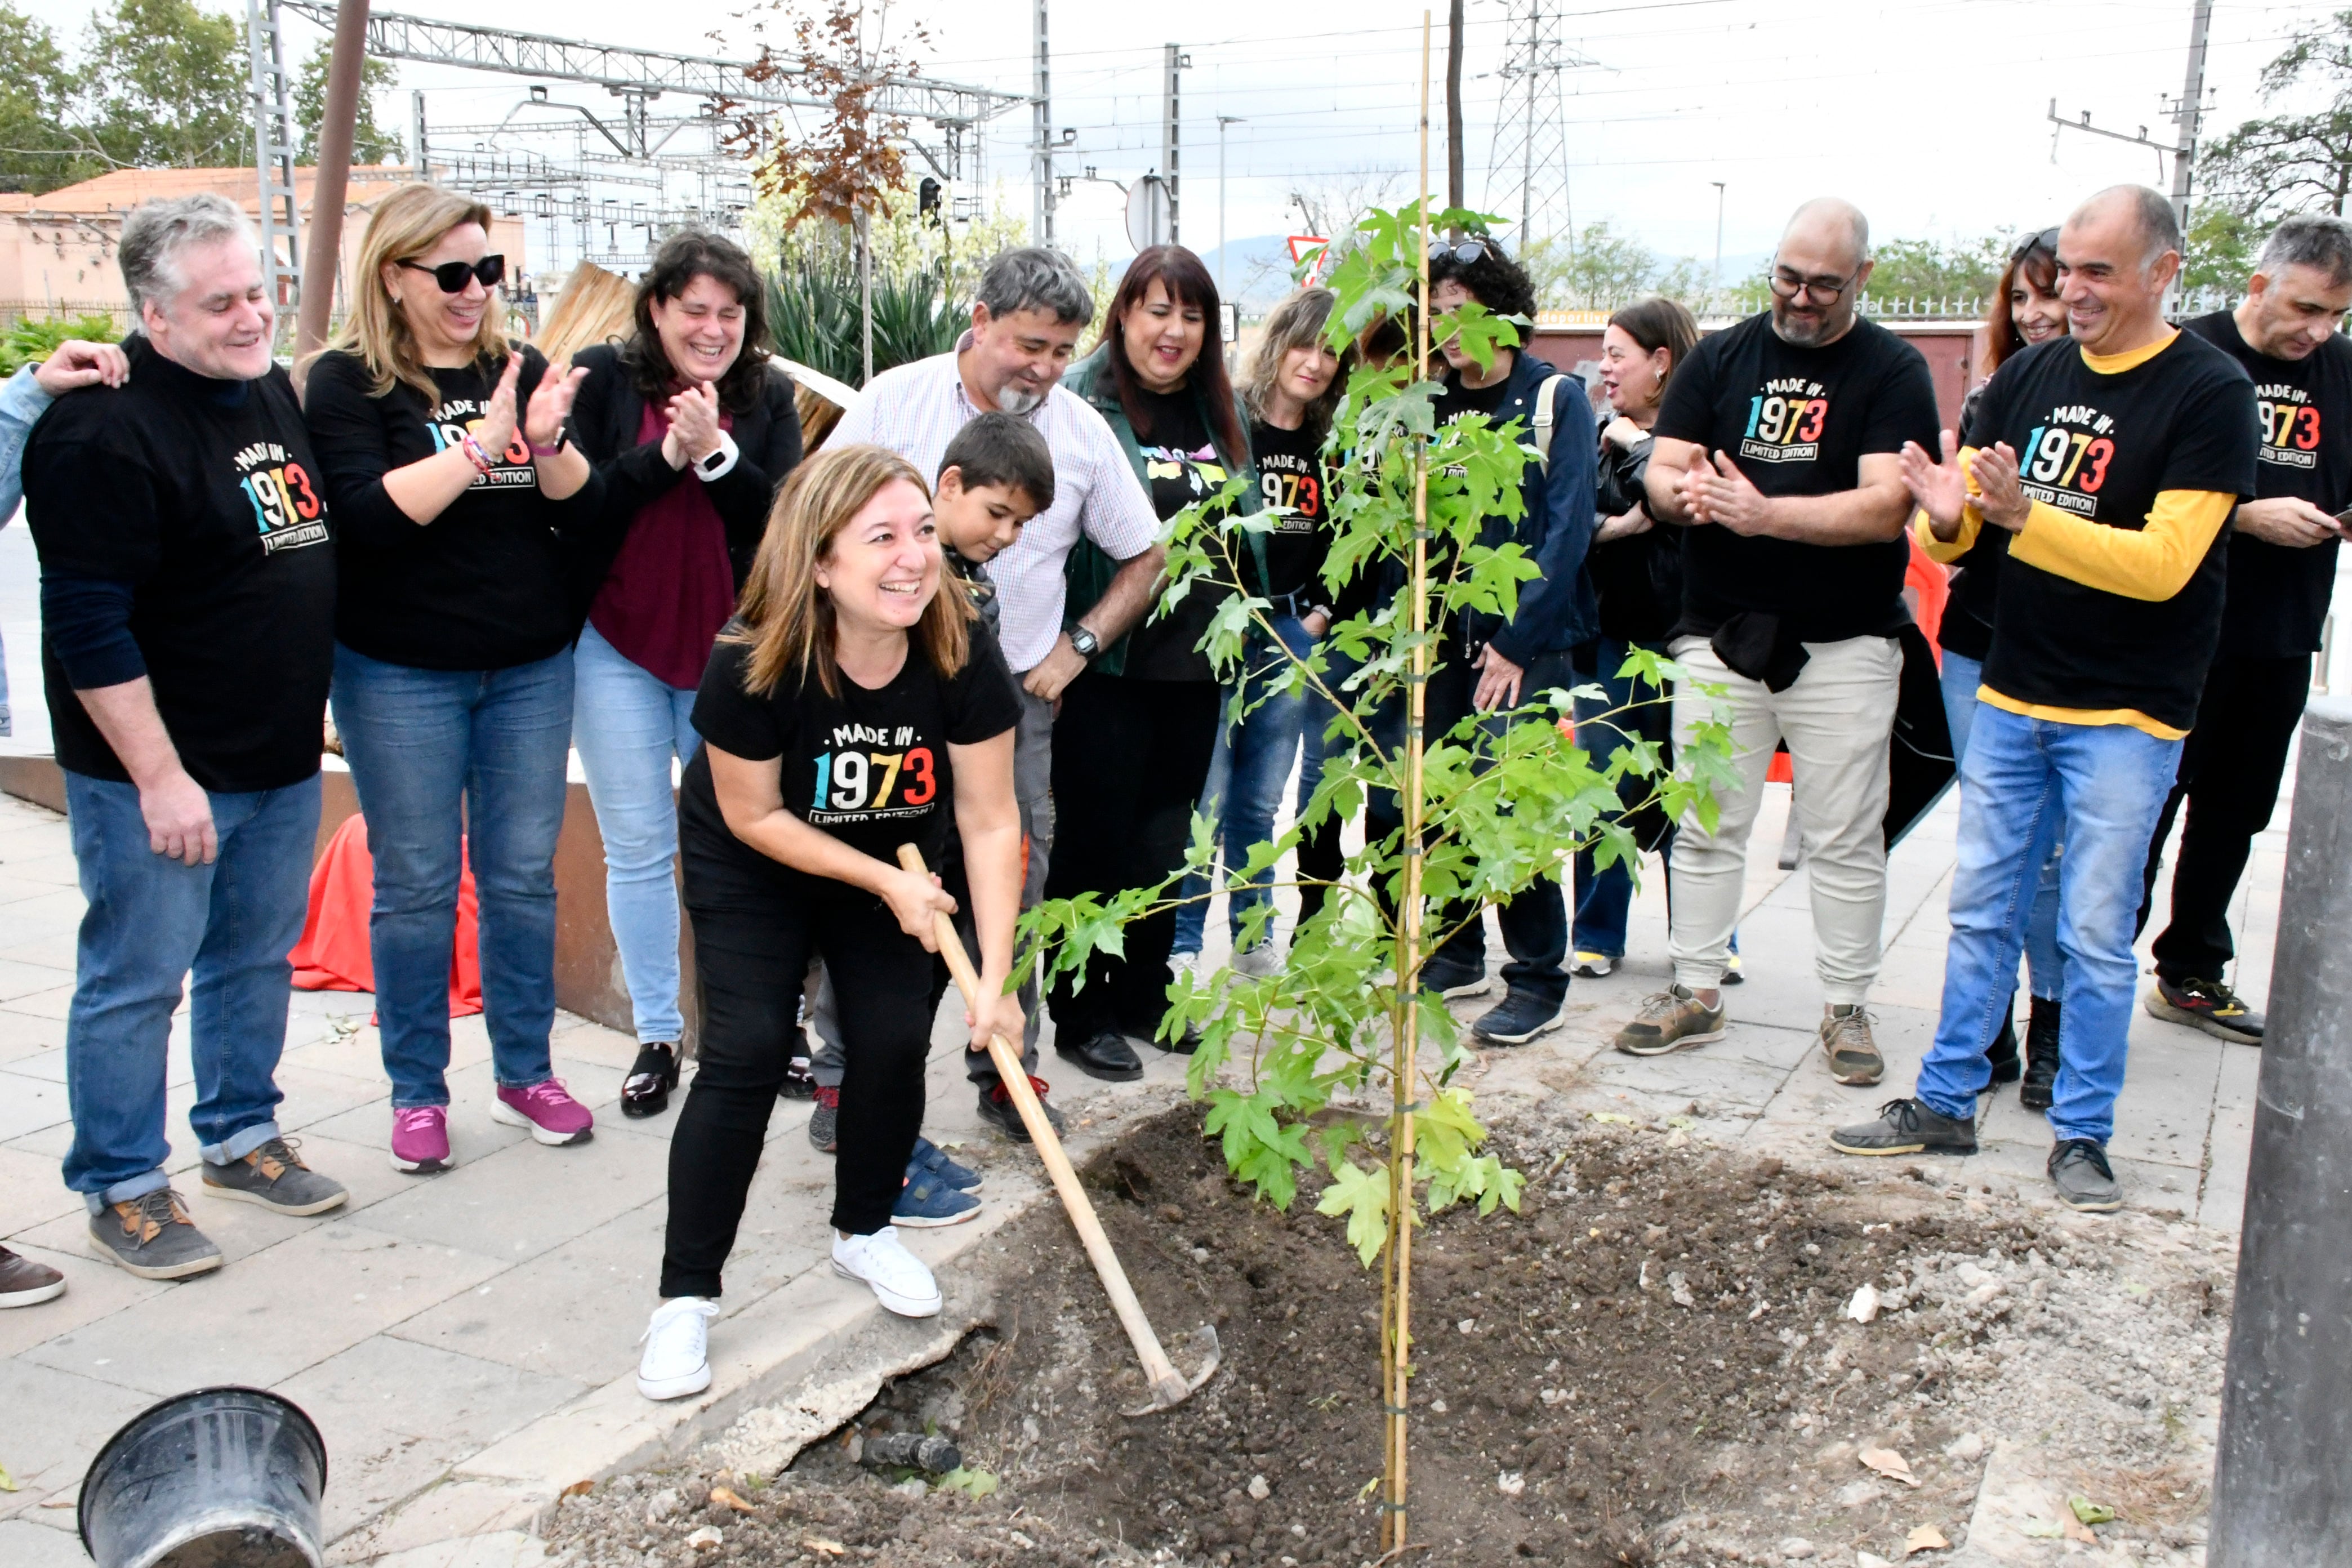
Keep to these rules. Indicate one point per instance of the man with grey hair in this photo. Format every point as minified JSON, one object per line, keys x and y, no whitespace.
{"x":2288,"y":337}
{"x":2112,"y":459}
{"x":187,"y":610}
{"x":1777,"y":450}
{"x":1032,"y":305}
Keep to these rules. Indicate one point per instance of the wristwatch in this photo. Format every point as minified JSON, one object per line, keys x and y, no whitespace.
{"x":1085,"y":644}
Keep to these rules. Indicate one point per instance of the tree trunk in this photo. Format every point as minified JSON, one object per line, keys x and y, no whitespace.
{"x":1454,"y":197}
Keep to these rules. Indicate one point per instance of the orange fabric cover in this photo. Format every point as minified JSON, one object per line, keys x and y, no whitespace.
{"x":333,"y":953}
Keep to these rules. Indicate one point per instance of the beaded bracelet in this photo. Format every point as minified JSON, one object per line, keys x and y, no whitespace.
{"x":474,"y":453}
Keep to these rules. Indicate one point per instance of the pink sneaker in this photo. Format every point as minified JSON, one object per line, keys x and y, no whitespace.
{"x":553,"y":1116}
{"x":420,"y":1140}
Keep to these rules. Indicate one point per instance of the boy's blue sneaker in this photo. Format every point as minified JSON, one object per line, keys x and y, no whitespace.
{"x":926,"y":1201}
{"x":930,"y":1156}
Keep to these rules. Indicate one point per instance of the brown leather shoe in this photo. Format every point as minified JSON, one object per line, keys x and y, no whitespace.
{"x":25,"y":1283}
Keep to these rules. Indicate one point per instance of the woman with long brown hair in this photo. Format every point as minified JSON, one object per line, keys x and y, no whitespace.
{"x":459,"y":504}
{"x":2025,"y":310}
{"x":1144,"y":715}
{"x":691,"y":426}
{"x":850,"y":708}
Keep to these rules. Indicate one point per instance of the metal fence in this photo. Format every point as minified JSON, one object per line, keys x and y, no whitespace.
{"x":1729,"y":305}
{"x":15,"y":310}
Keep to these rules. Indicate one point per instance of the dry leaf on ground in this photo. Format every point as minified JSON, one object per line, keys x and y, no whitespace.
{"x":828,"y":1548}
{"x":2076,"y":1529}
{"x":727,"y":1499}
{"x":1890,"y":1464}
{"x":578,"y":1489}
{"x":1925,"y":1538}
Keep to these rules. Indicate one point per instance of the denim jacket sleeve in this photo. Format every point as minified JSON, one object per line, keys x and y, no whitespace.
{"x":1556,"y":610}
{"x":22,"y":403}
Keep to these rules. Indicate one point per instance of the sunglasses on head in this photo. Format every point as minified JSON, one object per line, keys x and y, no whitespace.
{"x":452,"y":275}
{"x":1467,"y":252}
{"x":2046,"y":240}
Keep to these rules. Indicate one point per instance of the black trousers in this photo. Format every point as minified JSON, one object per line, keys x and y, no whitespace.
{"x":2230,"y":771}
{"x":752,"y":949}
{"x":1130,"y":759}
{"x":1535,"y":924}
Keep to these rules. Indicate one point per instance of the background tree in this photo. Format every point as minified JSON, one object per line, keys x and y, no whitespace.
{"x":38,"y":151}
{"x":1928,"y":269}
{"x":370,"y":142}
{"x":164,"y":85}
{"x":1599,"y":268}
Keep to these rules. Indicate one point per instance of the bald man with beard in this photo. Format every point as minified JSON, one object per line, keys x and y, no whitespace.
{"x":1778,"y":452}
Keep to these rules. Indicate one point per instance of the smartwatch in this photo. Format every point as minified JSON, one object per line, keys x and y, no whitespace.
{"x":720,"y":462}
{"x":1085,"y":643}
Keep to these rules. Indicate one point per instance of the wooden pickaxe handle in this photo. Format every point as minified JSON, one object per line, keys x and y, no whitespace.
{"x":1168,"y":1386}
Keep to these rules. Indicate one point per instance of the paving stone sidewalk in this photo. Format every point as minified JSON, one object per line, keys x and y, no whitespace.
{"x":466,"y":1341}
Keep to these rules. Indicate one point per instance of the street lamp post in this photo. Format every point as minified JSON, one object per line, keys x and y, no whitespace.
{"x":1718,"y":232}
{"x":1222,"y":121}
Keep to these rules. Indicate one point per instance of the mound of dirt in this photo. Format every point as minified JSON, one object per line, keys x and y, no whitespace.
{"x":1651,"y":1360}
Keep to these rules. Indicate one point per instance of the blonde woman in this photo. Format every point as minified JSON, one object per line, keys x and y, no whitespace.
{"x":849,"y":709}
{"x":459,"y":504}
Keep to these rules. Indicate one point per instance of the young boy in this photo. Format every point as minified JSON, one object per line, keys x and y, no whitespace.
{"x":996,"y":473}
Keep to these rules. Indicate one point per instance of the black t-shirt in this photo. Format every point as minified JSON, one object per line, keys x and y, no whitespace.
{"x":1798,"y":422}
{"x":2101,"y":448}
{"x":1291,"y":480}
{"x":870,"y":767}
{"x":1180,"y":467}
{"x":2278,"y":595}
{"x":205,"y":496}
{"x":485,"y":585}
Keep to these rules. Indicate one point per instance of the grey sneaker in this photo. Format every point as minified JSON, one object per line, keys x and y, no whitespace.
{"x":153,"y":1237}
{"x":1669,"y":1021}
{"x":2085,"y":1180}
{"x":1260,"y":963}
{"x":275,"y":1177}
{"x":1846,"y":1040}
{"x":825,"y":1116}
{"x":1907,"y":1127}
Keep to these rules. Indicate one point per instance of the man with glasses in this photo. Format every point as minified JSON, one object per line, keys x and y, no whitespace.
{"x":2288,"y":336}
{"x":2114,"y":460}
{"x":1778,"y":448}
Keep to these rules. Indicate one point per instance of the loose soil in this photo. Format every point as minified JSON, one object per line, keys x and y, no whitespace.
{"x":1651,"y":1363}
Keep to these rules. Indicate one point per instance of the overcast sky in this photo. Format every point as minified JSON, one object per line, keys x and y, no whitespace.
{"x":1929,"y":113}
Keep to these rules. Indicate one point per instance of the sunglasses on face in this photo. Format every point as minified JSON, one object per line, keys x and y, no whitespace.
{"x":452,"y":275}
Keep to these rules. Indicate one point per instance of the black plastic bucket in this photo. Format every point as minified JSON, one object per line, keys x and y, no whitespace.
{"x":216,"y":1478}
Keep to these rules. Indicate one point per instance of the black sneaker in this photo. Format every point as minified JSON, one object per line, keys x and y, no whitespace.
{"x":824,"y":1120}
{"x":153,"y":1237}
{"x":799,"y":1078}
{"x":2206,"y":1004}
{"x":996,"y":1109}
{"x":1907,"y":1127}
{"x":2085,"y":1182}
{"x":1516,"y":1019}
{"x":1450,"y":981}
{"x":2039,"y":1085}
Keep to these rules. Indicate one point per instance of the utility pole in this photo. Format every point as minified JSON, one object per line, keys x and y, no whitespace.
{"x":1171,"y":140}
{"x":331,"y":180}
{"x":1041,"y":215}
{"x":418,"y":158}
{"x":1222,"y":121}
{"x":2188,"y":114}
{"x":1453,"y":198}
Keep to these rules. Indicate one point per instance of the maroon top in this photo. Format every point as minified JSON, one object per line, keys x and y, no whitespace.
{"x":670,"y":589}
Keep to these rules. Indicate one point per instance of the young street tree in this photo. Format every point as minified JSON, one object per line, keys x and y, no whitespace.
{"x":1341,"y":1061}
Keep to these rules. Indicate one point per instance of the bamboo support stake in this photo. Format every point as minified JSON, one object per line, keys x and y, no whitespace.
{"x":1402,"y":1074}
{"x":1168,"y":1386}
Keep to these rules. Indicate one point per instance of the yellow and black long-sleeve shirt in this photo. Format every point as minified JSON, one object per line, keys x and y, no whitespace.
{"x":2111,"y":599}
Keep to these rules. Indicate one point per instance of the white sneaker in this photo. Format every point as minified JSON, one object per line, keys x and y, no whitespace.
{"x":1184,"y":964}
{"x":897,"y":1278}
{"x":677,"y":1360}
{"x":1260,"y":963}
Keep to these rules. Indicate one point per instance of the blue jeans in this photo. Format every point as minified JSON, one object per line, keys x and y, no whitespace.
{"x":225,"y":929}
{"x":1247,"y":773}
{"x":1961,"y":676}
{"x":628,"y":724}
{"x":425,"y":745}
{"x":2021,"y":780}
